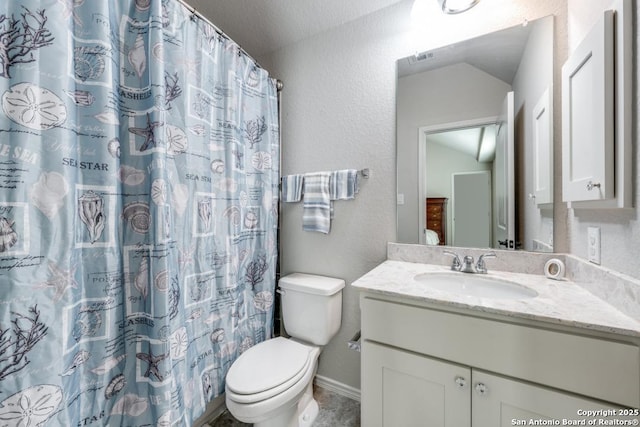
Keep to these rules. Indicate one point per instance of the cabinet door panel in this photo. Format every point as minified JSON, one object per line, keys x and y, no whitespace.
{"x":588,"y":116}
{"x":543,"y":149}
{"x":407,"y":389}
{"x":507,"y":402}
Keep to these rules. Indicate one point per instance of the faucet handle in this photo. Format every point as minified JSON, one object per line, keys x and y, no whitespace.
{"x":456,"y":264}
{"x":481,"y":267}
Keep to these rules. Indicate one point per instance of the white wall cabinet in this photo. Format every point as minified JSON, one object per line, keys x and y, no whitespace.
{"x":424,"y":366}
{"x":588,"y":116}
{"x":597,"y":155}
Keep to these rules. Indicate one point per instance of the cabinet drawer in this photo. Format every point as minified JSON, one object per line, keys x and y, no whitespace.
{"x":434,"y":209}
{"x":434,"y":216}
{"x":434,"y":225}
{"x":603,"y":369}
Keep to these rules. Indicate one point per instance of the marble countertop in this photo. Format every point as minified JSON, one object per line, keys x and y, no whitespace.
{"x":561,"y":302}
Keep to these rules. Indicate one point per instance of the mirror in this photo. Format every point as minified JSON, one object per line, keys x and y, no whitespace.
{"x":474,"y":141}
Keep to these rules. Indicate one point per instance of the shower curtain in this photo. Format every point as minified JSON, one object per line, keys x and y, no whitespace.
{"x":139,"y":169}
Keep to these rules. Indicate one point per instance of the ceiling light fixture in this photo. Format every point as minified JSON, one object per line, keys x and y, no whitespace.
{"x":456,"y":6}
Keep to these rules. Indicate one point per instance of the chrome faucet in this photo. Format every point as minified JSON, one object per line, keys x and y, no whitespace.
{"x":455,"y":264}
{"x":481,"y":267}
{"x":467,"y":264}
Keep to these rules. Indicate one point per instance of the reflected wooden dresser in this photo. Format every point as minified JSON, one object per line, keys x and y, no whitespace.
{"x":436,"y":220}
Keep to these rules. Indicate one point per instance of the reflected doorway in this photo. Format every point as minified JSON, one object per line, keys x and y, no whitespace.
{"x":471,"y":203}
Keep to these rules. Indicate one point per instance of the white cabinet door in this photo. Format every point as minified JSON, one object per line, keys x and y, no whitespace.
{"x":406,"y":389}
{"x":588,"y":116}
{"x":498,"y":401}
{"x":543,"y":150}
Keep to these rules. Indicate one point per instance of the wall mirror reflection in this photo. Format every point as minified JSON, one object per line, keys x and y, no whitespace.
{"x":474,"y":141}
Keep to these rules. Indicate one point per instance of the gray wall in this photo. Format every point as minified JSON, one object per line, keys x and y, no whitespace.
{"x":339,"y":112}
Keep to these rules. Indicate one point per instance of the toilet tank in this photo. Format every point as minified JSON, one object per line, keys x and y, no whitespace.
{"x":311,"y":306}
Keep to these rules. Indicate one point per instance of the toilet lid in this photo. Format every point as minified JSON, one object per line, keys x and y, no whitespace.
{"x":267,"y":365}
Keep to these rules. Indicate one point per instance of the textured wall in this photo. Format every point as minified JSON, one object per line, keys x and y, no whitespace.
{"x":620,"y":229}
{"x":339,"y":112}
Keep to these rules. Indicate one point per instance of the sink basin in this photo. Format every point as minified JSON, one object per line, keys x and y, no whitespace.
{"x":475,"y":285}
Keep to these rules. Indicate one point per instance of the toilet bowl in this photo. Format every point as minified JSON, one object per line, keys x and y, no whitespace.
{"x":271,"y":384}
{"x":266,"y":385}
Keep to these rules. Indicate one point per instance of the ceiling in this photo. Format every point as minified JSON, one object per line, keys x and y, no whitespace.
{"x":264,"y":26}
{"x":477,"y":142}
{"x":496,"y":53}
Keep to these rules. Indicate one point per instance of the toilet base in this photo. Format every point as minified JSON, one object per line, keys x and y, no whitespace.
{"x":301,"y":415}
{"x":309,"y":414}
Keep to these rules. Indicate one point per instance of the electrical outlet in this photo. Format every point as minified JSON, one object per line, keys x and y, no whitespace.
{"x":401,"y":198}
{"x":593,"y":237}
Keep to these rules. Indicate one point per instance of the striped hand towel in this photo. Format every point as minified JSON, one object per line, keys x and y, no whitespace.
{"x":292,"y":188}
{"x":343,"y":184}
{"x":316,"y":210}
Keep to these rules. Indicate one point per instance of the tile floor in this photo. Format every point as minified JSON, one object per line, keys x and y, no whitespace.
{"x":335,"y":411}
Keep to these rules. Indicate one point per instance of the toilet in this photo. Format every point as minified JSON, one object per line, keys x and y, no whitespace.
{"x":271,"y":384}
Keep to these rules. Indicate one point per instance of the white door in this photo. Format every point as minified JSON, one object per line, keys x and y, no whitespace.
{"x":471,"y":204}
{"x":505,"y":210}
{"x":406,"y":389}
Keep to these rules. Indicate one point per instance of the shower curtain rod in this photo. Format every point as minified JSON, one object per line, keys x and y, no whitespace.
{"x":279,"y":84}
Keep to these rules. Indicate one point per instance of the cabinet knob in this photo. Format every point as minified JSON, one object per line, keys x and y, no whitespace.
{"x":482,"y":389}
{"x":591,"y":185}
{"x":460,"y":382}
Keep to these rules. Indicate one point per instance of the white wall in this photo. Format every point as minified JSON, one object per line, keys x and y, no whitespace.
{"x":455,"y":93}
{"x":620,"y":230}
{"x":339,"y":112}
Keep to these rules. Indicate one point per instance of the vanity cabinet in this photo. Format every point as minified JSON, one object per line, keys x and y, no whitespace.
{"x":424,"y":365}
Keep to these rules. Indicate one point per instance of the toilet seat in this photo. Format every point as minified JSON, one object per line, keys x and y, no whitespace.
{"x":268,"y":369}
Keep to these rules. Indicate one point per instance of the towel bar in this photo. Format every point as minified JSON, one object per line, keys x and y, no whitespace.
{"x":365,"y":173}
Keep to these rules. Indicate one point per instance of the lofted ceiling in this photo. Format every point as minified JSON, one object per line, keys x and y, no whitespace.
{"x":476,"y":142}
{"x":496,"y":53}
{"x":264,"y":26}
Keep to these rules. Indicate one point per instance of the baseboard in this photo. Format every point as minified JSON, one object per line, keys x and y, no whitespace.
{"x":337,"y":387}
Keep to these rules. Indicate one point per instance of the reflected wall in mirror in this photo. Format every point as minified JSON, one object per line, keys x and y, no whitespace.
{"x":455,"y":140}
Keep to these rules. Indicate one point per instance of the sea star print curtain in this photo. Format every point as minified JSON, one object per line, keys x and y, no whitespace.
{"x":138,"y":211}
